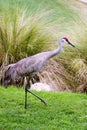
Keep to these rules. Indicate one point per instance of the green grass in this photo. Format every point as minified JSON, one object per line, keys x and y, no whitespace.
{"x":65,"y":111}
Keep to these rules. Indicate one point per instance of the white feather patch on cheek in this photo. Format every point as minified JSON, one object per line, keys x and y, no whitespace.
{"x":63,"y":40}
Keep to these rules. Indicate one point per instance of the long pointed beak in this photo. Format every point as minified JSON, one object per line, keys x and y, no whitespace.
{"x":70,"y":43}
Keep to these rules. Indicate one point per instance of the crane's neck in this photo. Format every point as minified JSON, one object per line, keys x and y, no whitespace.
{"x":56,"y":51}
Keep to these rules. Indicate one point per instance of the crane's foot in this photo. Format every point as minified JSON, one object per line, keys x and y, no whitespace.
{"x":43,"y":102}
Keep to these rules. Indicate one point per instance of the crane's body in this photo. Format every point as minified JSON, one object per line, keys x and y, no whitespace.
{"x":28,"y":66}
{"x":31,"y":65}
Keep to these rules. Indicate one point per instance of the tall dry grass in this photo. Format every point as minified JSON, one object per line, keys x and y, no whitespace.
{"x":79,"y":66}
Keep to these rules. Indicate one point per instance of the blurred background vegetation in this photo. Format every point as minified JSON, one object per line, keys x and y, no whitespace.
{"x":32,"y":26}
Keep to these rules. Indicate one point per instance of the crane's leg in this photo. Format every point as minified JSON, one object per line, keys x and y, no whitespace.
{"x":35,"y":94}
{"x":37,"y":97}
{"x":26,"y":88}
{"x":25,"y":99}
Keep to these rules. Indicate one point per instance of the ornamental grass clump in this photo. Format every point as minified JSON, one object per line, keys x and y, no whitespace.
{"x":22,"y":35}
{"x":80,"y":68}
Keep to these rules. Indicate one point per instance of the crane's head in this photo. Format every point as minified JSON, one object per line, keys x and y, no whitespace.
{"x":65,"y":39}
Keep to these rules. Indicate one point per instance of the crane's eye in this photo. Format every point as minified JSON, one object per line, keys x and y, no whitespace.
{"x":66,"y":39}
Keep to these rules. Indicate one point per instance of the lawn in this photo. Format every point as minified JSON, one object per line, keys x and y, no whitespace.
{"x":65,"y":111}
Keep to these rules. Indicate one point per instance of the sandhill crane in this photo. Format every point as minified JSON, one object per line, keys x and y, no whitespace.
{"x":9,"y":81}
{"x":29,"y":66}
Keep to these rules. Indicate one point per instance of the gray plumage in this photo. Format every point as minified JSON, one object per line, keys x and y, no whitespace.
{"x":31,"y":65}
